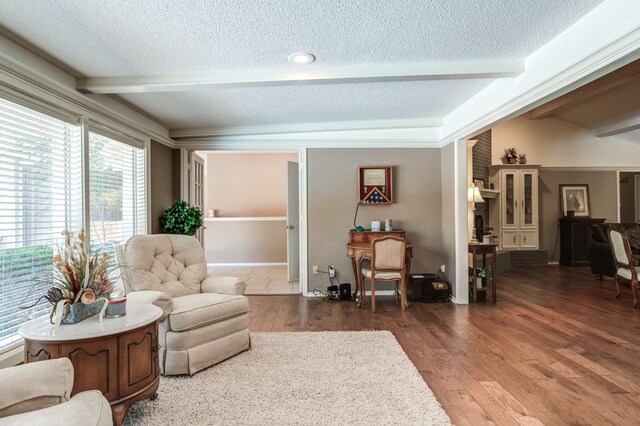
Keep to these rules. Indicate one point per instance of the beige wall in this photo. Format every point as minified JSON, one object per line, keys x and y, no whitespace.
{"x":247,"y":184}
{"x":333,"y":193}
{"x":246,"y":242}
{"x":165,"y":182}
{"x":553,"y":142}
{"x":602,"y":190}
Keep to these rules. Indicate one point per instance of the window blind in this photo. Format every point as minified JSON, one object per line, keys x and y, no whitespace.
{"x":117,"y":192}
{"x":40,"y":196}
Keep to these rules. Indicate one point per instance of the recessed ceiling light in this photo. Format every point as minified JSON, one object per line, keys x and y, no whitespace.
{"x":301,"y":58}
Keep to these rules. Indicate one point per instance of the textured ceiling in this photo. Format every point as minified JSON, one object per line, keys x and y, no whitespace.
{"x":139,"y":37}
{"x":303,"y":104}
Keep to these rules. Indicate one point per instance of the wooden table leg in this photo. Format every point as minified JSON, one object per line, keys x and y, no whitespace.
{"x":494,"y":281}
{"x":407,"y":273}
{"x":474,"y":284}
{"x":355,"y":274}
{"x":359,"y":280}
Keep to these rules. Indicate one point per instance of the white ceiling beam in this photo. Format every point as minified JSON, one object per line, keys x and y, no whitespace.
{"x":333,"y":126}
{"x":335,"y":75}
{"x":623,"y":125}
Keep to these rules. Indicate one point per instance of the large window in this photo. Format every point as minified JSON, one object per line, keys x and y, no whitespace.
{"x":117,"y":186}
{"x":41,"y":187}
{"x":40,"y":195}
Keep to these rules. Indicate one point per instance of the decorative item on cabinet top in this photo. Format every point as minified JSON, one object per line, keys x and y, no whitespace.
{"x":511,"y":156}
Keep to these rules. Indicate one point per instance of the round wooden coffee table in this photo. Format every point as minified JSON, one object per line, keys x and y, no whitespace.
{"x":118,"y":356}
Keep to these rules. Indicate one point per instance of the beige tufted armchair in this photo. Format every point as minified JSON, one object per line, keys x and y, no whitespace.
{"x":205,"y":318}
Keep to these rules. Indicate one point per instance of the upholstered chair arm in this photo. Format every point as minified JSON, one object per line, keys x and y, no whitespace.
{"x":223,"y":285}
{"x":88,"y":408}
{"x":35,"y":385}
{"x":162,"y":300}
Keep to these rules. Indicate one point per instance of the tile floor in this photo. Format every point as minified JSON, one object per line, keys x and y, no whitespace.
{"x":261,"y":279}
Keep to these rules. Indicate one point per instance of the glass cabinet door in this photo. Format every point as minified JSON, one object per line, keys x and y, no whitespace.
{"x":527,"y":198}
{"x":509,"y":199}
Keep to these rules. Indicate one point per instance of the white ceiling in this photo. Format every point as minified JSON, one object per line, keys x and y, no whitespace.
{"x":123,"y":38}
{"x":226,"y":107}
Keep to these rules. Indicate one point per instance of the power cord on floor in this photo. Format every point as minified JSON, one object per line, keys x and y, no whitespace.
{"x":325,"y":295}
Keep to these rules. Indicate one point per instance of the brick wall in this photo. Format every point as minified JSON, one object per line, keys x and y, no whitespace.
{"x":481,"y":154}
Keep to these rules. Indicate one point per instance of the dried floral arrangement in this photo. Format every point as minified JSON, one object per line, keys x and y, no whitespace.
{"x":79,"y":274}
{"x":81,"y":277}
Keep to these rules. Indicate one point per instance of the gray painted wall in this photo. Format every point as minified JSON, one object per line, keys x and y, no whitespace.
{"x":165,"y":181}
{"x":602,"y":190}
{"x":333,"y":193}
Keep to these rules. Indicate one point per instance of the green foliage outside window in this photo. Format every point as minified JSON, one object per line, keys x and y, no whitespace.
{"x":181,"y":218}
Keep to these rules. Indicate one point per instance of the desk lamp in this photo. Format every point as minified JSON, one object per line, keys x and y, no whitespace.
{"x":355,"y":216}
{"x":473,"y":196}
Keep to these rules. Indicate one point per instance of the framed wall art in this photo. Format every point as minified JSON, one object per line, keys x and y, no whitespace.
{"x":575,"y":198}
{"x":479,"y":182}
{"x":375,"y":184}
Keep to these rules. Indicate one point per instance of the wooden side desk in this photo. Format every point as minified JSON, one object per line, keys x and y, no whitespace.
{"x":118,"y":356}
{"x":483,"y":249}
{"x":359,"y":249}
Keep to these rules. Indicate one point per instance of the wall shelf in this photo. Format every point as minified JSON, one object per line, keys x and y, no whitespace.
{"x":245,"y":219}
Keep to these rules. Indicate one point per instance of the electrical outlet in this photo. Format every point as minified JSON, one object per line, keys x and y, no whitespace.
{"x":315,"y":269}
{"x":332,"y":271}
{"x":442,"y":268}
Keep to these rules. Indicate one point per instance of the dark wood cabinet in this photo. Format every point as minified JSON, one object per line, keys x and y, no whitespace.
{"x":574,"y":240}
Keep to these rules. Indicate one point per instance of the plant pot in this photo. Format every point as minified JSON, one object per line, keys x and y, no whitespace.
{"x":79,"y":311}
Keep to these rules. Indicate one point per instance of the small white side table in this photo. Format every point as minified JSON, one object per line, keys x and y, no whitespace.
{"x":118,"y":356}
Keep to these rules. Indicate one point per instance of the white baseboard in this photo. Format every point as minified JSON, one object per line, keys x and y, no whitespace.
{"x":211,"y":265}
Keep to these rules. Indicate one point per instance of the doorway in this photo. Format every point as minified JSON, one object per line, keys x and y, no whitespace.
{"x":252,"y":219}
{"x":629,"y":193}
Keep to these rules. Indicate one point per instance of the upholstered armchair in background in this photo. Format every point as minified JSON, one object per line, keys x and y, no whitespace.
{"x":39,"y":393}
{"x":205,"y":318}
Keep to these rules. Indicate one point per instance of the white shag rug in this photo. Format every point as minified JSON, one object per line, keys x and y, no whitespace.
{"x":300,"y":378}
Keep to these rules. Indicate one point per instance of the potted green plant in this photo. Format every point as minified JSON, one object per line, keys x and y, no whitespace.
{"x":181,"y":218}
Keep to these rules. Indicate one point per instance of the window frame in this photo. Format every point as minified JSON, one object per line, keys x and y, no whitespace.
{"x":12,"y":353}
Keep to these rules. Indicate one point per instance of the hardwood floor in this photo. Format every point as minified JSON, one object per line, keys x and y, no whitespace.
{"x":557,"y":349}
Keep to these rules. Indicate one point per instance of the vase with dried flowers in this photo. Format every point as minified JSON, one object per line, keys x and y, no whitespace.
{"x":510,"y":156}
{"x":81,"y":281}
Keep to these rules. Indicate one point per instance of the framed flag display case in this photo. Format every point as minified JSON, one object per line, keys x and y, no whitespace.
{"x":375,"y":184}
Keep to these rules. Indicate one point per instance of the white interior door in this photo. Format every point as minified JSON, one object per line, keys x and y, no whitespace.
{"x":293,"y":220}
{"x":196,"y":191}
